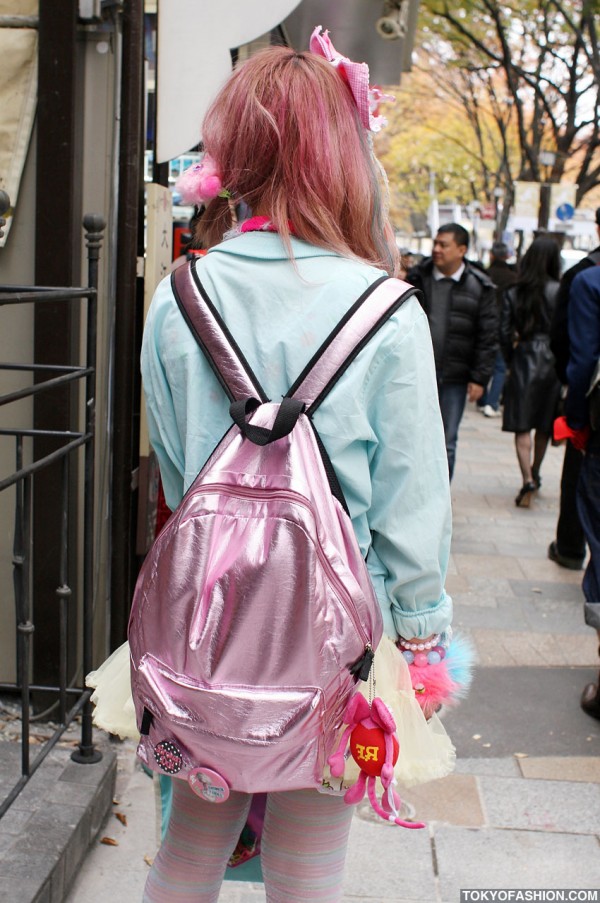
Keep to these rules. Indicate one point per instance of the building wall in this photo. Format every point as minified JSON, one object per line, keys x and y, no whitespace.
{"x":100,"y":53}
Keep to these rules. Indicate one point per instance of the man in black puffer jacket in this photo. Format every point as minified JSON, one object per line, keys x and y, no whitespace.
{"x":460,"y":303}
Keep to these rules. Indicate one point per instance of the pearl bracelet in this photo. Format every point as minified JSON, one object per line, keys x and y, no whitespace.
{"x":431,"y":652}
{"x":420,"y":647}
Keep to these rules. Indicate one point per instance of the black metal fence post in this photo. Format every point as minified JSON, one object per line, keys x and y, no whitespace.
{"x":94,"y":226}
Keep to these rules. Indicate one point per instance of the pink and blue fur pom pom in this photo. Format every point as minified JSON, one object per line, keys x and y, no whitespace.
{"x":445,"y":682}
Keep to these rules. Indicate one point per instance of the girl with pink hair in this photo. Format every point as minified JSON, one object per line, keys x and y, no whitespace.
{"x":296,"y":227}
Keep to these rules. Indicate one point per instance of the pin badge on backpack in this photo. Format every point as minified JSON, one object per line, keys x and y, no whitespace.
{"x":209,"y":785}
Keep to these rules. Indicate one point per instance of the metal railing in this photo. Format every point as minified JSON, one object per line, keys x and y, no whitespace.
{"x":70,"y":701}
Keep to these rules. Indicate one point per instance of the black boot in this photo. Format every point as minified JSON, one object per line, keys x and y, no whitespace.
{"x":590,"y":699}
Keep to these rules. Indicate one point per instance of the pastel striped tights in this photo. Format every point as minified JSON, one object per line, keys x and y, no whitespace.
{"x":303,"y":847}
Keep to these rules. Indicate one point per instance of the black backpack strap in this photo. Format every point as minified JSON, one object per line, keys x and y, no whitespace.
{"x":348,"y":338}
{"x":208,"y":328}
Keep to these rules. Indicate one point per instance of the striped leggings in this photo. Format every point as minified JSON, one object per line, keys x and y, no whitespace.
{"x":303,"y":847}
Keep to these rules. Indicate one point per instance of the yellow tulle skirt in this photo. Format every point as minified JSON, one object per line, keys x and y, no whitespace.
{"x":426,"y":751}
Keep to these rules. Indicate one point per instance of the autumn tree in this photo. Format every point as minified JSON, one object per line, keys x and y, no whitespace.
{"x":433,"y":145}
{"x":538,"y":64}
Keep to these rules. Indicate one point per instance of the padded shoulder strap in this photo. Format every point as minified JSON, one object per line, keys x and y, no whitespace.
{"x":348,"y":338}
{"x":208,"y":328}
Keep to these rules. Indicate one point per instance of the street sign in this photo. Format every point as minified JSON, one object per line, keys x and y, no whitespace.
{"x":565,"y":212}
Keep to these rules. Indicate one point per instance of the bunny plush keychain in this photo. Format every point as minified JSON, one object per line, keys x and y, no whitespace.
{"x":371,"y":735}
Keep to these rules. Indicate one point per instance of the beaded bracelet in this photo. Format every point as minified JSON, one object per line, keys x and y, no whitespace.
{"x":430,"y":653}
{"x":419,"y":647}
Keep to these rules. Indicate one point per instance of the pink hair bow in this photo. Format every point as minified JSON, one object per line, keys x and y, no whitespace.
{"x":356,"y":76}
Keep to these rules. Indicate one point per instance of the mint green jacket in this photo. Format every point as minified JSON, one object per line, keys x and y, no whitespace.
{"x":380,"y":424}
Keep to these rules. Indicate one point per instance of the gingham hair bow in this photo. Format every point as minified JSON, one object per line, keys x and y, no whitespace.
{"x":356,"y":76}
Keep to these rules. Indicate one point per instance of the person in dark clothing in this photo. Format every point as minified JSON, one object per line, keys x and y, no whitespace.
{"x":584,"y":336}
{"x":503,"y":275}
{"x":568,"y":549}
{"x":532,"y":390}
{"x":460,"y":303}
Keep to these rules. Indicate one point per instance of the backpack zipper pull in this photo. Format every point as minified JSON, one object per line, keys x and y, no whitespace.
{"x":362,"y":667}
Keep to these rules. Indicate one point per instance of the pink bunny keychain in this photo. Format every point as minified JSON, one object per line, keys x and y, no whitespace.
{"x":371,"y":735}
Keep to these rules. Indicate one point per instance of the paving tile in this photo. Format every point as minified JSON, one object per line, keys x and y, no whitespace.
{"x":497,"y":586}
{"x":456,"y":584}
{"x":535,"y":805}
{"x":28,"y":889}
{"x":560,"y":590}
{"x":69,"y":793}
{"x":475,"y":598}
{"x":502,"y":768}
{"x":511,"y":648}
{"x":468,"y":547}
{"x":505,"y":613}
{"x":372,"y":844}
{"x":453,"y":800}
{"x":27,"y":863}
{"x":14,"y":821}
{"x":75,"y":773}
{"x":490,"y":858}
{"x":487,"y":565}
{"x":534,"y":711}
{"x":542,"y":569}
{"x":510,"y":548}
{"x":561,"y":768}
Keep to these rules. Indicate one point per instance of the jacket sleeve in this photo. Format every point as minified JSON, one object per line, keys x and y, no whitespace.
{"x":163,"y":422}
{"x":410,"y":512}
{"x":486,"y":339}
{"x":584,"y":336}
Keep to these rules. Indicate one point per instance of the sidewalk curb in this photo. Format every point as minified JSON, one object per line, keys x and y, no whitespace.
{"x":46,"y":834}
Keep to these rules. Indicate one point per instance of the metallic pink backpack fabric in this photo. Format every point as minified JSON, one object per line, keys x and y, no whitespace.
{"x":255,"y":603}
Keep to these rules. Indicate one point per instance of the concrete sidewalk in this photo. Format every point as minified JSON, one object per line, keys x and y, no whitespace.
{"x":522,"y":809}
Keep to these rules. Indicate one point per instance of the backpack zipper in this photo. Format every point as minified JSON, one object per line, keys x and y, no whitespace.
{"x":341,"y":591}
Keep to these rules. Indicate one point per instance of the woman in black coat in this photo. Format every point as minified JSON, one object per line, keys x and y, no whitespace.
{"x":532,"y":389}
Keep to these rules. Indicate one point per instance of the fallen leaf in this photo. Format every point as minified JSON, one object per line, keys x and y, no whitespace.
{"x":148,"y":860}
{"x":486,"y":745}
{"x":110,"y":842}
{"x":536,"y":589}
{"x":521,"y":755}
{"x":115,"y":801}
{"x":476,"y":736}
{"x":122,"y":818}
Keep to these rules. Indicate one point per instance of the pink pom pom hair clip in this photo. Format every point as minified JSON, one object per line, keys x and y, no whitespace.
{"x":201,"y":183}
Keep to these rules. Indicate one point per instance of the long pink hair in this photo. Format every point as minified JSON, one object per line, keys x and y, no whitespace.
{"x":285,"y":135}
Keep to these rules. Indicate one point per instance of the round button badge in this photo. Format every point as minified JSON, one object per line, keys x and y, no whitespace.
{"x":168,"y":756}
{"x":209,"y":785}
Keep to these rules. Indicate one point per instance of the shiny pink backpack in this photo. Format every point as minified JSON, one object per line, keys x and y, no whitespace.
{"x":254,"y":616}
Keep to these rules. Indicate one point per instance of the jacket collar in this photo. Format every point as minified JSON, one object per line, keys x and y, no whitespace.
{"x":268,"y":246}
{"x":426,"y":269}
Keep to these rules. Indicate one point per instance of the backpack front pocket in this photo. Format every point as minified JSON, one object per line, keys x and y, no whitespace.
{"x":258,"y":738}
